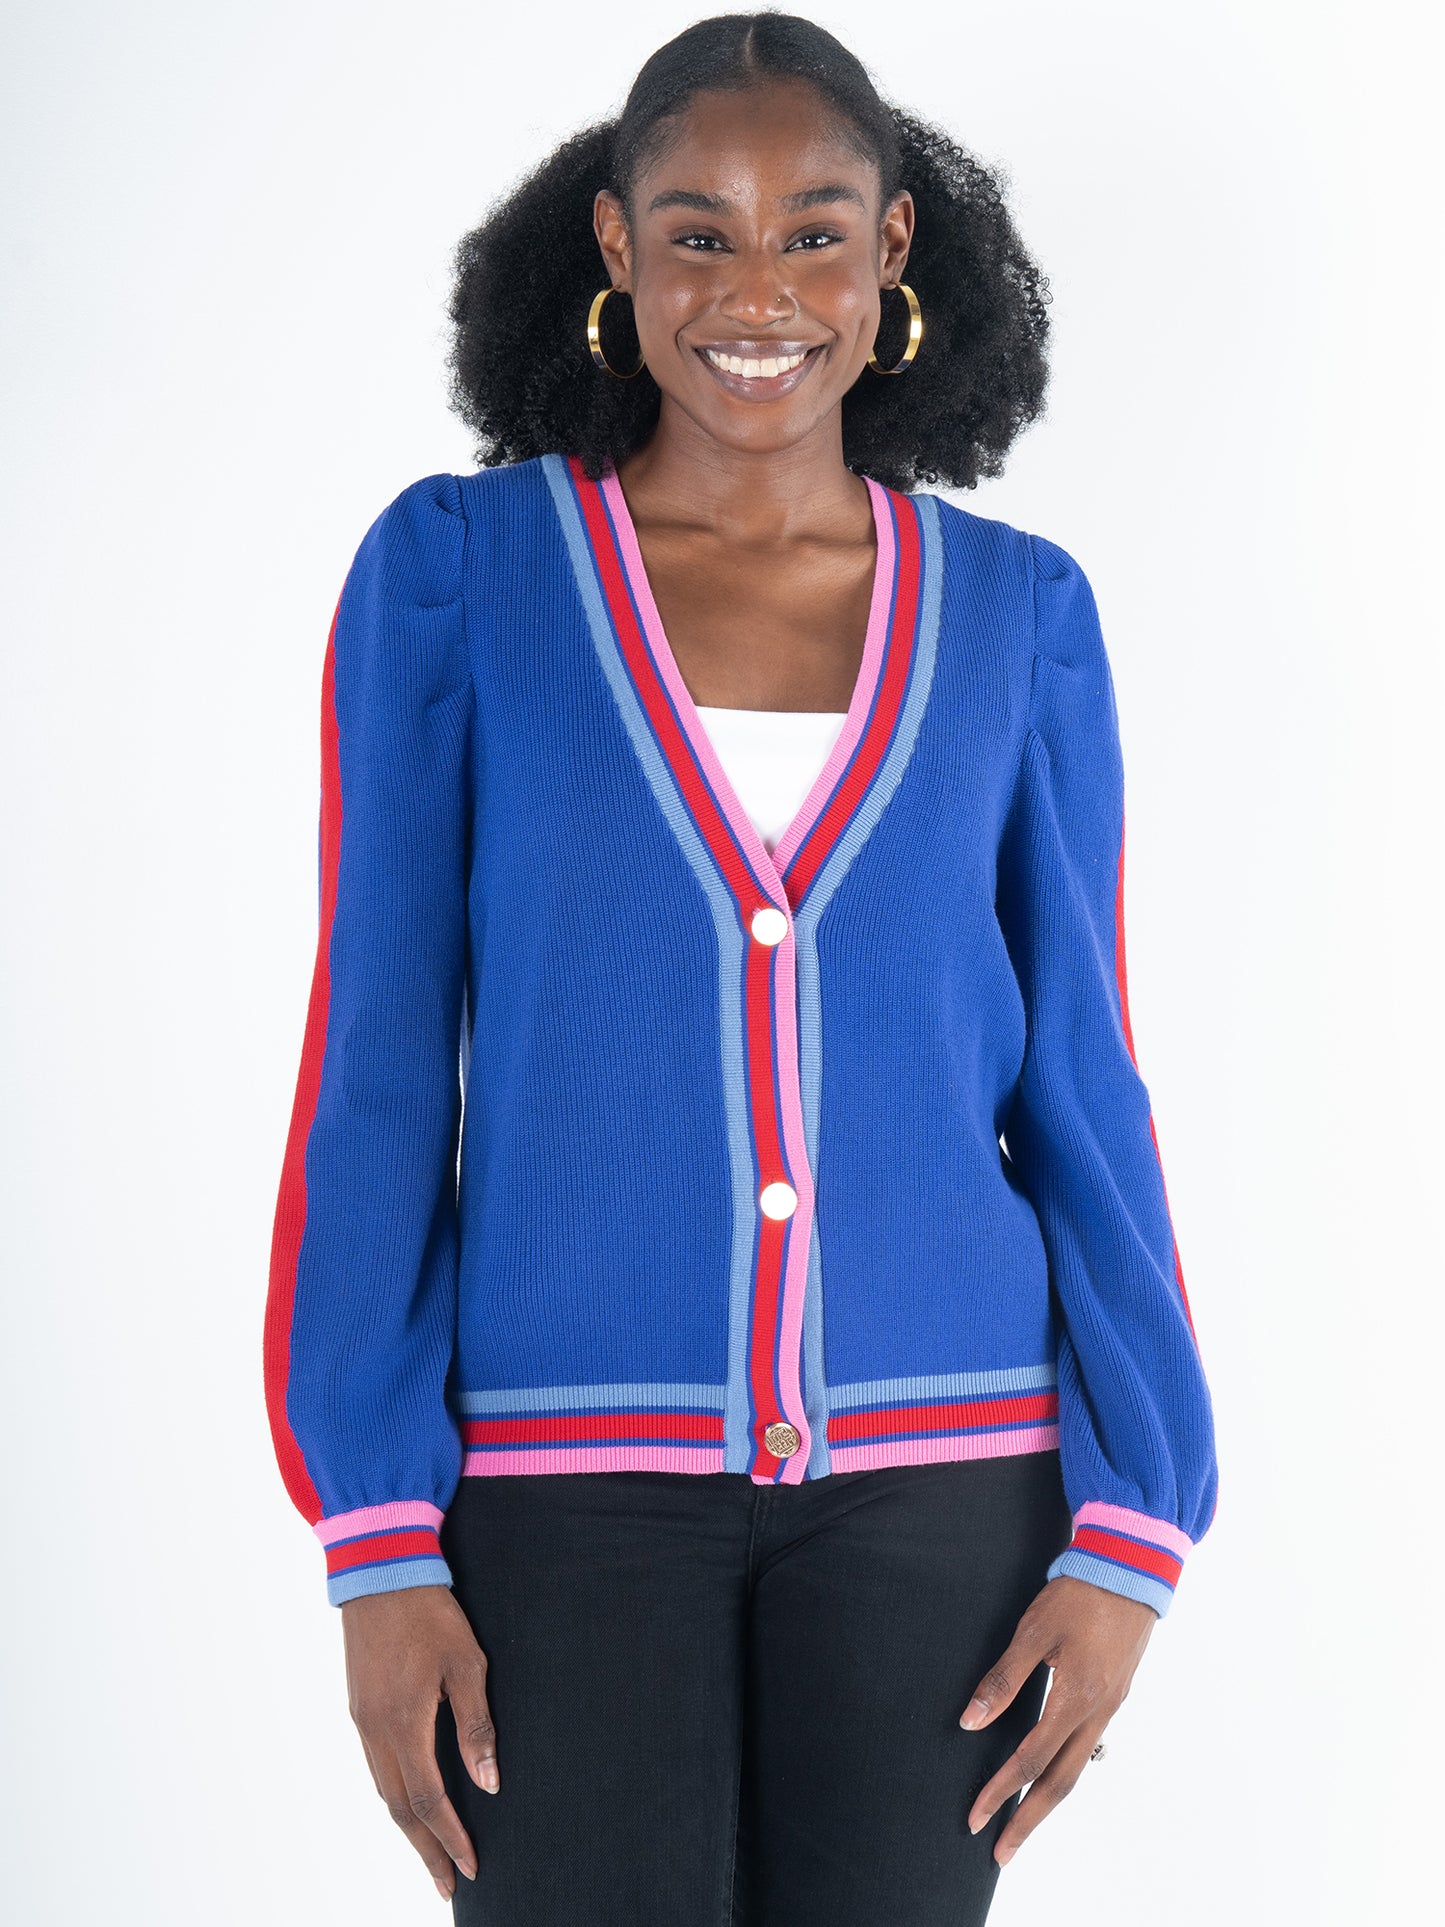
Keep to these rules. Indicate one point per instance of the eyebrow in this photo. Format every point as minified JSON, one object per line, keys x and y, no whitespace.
{"x":790,"y":203}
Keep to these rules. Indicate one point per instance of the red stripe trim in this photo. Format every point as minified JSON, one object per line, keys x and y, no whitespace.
{"x":1122,"y":975}
{"x":951,"y":1417}
{"x":818,"y":845}
{"x":289,"y":1223}
{"x":769,"y":1268}
{"x":711,"y":822}
{"x":419,"y":1544}
{"x":1128,"y":1552}
{"x":554,"y":1428}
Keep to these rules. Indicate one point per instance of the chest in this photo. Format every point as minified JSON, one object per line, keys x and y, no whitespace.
{"x":776,"y":630}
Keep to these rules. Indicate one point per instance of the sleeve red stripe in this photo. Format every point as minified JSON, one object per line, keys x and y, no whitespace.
{"x":1129,"y":1552}
{"x":290,"y":1218}
{"x":421,"y":1544}
{"x":1122,"y":974}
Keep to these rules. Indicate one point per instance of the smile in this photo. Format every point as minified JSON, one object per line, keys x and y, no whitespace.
{"x":759,"y":377}
{"x":736,"y":365}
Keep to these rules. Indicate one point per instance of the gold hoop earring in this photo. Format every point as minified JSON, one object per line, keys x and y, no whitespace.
{"x":915,"y":334}
{"x":594,"y":338}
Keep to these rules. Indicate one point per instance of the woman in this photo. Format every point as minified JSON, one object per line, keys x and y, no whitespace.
{"x":753,"y":818}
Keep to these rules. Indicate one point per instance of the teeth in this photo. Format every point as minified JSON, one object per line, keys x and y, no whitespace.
{"x":753,"y":370}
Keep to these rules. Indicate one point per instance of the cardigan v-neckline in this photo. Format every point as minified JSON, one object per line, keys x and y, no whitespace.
{"x":770,"y":868}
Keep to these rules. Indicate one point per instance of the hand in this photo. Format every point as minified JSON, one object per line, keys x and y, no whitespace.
{"x":1093,"y":1639}
{"x":406,"y":1651}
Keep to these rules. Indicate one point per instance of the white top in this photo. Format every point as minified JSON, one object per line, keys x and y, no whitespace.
{"x":772,"y":758}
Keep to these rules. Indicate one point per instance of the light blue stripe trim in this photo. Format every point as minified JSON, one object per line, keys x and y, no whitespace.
{"x":805,"y":930}
{"x":392,"y":1575}
{"x":737,"y":1447}
{"x":887,"y":1391}
{"x":1103,"y":1572}
{"x":557,"y":1398}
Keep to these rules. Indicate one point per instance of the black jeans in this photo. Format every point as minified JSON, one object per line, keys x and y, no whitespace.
{"x":721,"y":1704}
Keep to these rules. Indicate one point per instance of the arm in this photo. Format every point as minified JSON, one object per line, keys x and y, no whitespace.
{"x":1135,"y":1424}
{"x":361,"y":1300}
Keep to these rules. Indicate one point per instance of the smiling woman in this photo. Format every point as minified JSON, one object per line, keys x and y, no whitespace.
{"x":518,"y":296}
{"x":725,"y":1402}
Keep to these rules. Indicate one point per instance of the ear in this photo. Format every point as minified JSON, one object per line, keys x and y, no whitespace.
{"x":895,"y":238}
{"x":610,"y":226}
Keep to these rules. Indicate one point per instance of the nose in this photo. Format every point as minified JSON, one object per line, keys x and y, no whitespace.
{"x":757,"y":291}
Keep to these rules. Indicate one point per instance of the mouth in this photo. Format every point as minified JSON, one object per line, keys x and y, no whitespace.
{"x":759,"y":371}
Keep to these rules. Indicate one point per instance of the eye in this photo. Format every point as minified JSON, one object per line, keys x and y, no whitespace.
{"x":684,"y":240}
{"x":827,"y":235}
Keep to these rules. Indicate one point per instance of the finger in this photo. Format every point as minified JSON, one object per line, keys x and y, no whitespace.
{"x":464,"y":1682}
{"x":428,"y":1799}
{"x":445,"y":1881}
{"x":1057,"y":1781}
{"x":1001,"y":1683}
{"x":1056,"y":1725}
{"x":393,"y":1787}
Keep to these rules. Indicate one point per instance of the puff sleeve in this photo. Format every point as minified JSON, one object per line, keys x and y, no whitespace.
{"x":1135,"y":1423}
{"x":361,"y":1299}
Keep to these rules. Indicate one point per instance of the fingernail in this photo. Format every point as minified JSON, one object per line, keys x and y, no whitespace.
{"x":974,"y":1714}
{"x":441,"y":1887}
{"x":977,"y":1826}
{"x":1004,"y":1855}
{"x":491,"y":1779}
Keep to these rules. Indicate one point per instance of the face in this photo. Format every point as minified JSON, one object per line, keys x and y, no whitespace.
{"x":754,"y":264}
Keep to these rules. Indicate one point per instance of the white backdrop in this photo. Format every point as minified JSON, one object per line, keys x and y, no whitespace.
{"x":228,"y":232}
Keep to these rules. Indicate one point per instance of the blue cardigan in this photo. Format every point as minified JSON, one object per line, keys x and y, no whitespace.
{"x":782,"y":1164}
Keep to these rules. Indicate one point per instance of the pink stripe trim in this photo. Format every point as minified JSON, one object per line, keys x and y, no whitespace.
{"x":396,"y":1514}
{"x":670,"y":676}
{"x":598,"y":1458}
{"x":1137,"y":1525}
{"x":800,"y":1225}
{"x":869,"y":670}
{"x":960,"y":1445}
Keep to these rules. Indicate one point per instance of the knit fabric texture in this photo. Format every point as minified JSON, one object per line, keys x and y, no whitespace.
{"x":620,"y":1142}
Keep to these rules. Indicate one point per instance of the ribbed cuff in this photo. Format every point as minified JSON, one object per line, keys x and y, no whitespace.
{"x":1124,"y":1552}
{"x":382,"y":1548}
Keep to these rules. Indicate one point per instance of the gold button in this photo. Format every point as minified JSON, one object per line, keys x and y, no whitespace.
{"x":769,"y":926}
{"x":782,"y":1440}
{"x":778,"y":1200}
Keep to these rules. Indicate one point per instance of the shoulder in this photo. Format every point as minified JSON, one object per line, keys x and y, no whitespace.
{"x":1059,"y":617}
{"x":504,"y":490}
{"x":1018,"y":574}
{"x":1064,"y":612}
{"x":412,"y":550}
{"x":438,"y":508}
{"x":1040,"y":559}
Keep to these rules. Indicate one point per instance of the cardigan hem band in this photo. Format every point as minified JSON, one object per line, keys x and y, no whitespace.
{"x":685,"y":1427}
{"x":680,"y":1458}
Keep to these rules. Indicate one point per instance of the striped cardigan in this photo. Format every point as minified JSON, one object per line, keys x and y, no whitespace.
{"x":619,"y":1142}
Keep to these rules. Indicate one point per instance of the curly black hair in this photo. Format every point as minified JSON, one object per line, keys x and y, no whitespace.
{"x":521,"y":374}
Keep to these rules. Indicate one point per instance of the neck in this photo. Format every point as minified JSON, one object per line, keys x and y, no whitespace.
{"x":757,"y":498}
